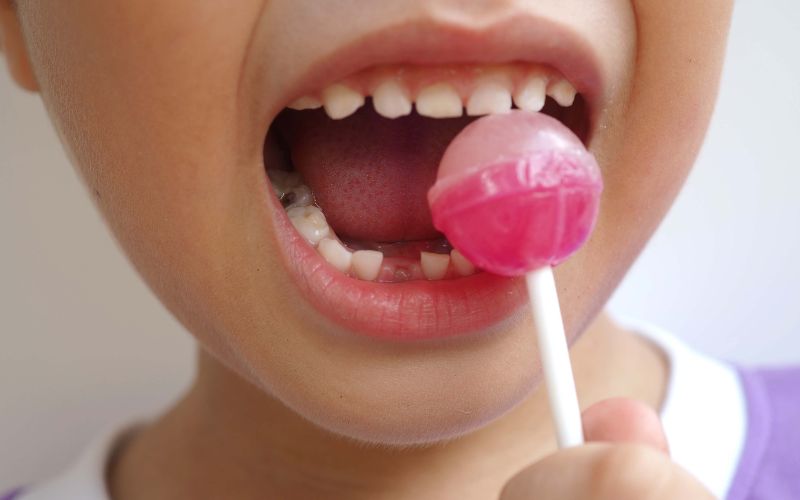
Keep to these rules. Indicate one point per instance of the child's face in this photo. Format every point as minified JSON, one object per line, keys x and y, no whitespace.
{"x":164,"y":108}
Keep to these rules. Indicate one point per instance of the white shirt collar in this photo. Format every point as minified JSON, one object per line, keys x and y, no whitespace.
{"x":704,"y":412}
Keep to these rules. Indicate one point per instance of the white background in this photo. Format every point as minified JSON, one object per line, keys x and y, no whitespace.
{"x":84,"y":344}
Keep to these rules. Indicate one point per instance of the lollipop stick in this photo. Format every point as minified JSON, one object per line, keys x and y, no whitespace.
{"x":555,"y":357}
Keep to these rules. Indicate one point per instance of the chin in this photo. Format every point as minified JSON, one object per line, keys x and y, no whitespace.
{"x":403,"y":395}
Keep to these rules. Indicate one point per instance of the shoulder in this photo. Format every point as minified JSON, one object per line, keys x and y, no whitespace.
{"x":770,"y":460}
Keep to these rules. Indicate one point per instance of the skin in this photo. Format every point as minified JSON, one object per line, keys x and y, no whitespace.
{"x":163,"y":107}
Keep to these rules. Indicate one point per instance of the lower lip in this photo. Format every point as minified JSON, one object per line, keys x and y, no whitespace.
{"x":409,"y":311}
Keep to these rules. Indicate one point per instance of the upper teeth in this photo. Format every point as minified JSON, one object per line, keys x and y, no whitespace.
{"x":341,"y":101}
{"x":563,"y":93}
{"x":492,"y":95}
{"x":391,"y":99}
{"x":446,"y":95}
{"x":530,"y":96}
{"x":306,"y":102}
{"x":439,"y":101}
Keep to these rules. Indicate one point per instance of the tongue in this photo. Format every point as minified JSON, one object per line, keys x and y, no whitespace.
{"x":370,"y":175}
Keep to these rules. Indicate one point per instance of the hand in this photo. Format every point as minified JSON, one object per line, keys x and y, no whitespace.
{"x":626,"y":459}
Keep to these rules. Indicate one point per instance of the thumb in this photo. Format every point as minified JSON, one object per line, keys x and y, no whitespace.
{"x":636,"y":465}
{"x":623,"y":420}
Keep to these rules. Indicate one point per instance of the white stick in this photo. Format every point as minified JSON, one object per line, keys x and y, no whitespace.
{"x":554,"y":355}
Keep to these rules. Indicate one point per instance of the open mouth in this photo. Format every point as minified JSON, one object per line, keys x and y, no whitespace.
{"x":350,"y":165}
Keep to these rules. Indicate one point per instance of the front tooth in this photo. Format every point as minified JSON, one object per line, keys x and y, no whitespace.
{"x":434,"y":265}
{"x":489,"y":97}
{"x":310,"y":223}
{"x":391,"y":100}
{"x":367,"y":264}
{"x":341,"y":101}
{"x":461,"y":264}
{"x":531,"y":95}
{"x":306,"y":102}
{"x":563,"y":92}
{"x":336,"y":254}
{"x":439,"y":101}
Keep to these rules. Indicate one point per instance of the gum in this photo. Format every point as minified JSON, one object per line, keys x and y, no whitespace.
{"x":464,"y":78}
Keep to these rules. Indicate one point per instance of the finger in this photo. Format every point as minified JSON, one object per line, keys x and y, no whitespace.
{"x":623,"y":420}
{"x":603,"y":471}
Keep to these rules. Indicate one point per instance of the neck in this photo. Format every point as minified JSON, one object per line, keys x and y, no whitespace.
{"x":242,"y":443}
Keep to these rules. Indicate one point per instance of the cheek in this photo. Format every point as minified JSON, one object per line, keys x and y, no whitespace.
{"x":679,"y":59}
{"x":150,"y":116}
{"x":650,"y":138}
{"x":653,"y":133}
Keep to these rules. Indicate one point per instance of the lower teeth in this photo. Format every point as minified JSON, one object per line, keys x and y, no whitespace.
{"x":437,"y":263}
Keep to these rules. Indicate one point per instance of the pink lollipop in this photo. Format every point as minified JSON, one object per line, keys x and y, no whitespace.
{"x":516,"y":194}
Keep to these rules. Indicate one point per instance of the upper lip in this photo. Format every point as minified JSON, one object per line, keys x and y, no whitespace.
{"x":523,"y":38}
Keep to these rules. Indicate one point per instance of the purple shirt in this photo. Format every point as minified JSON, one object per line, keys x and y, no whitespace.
{"x":769,"y":468}
{"x":770,"y":465}
{"x":11,"y":495}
